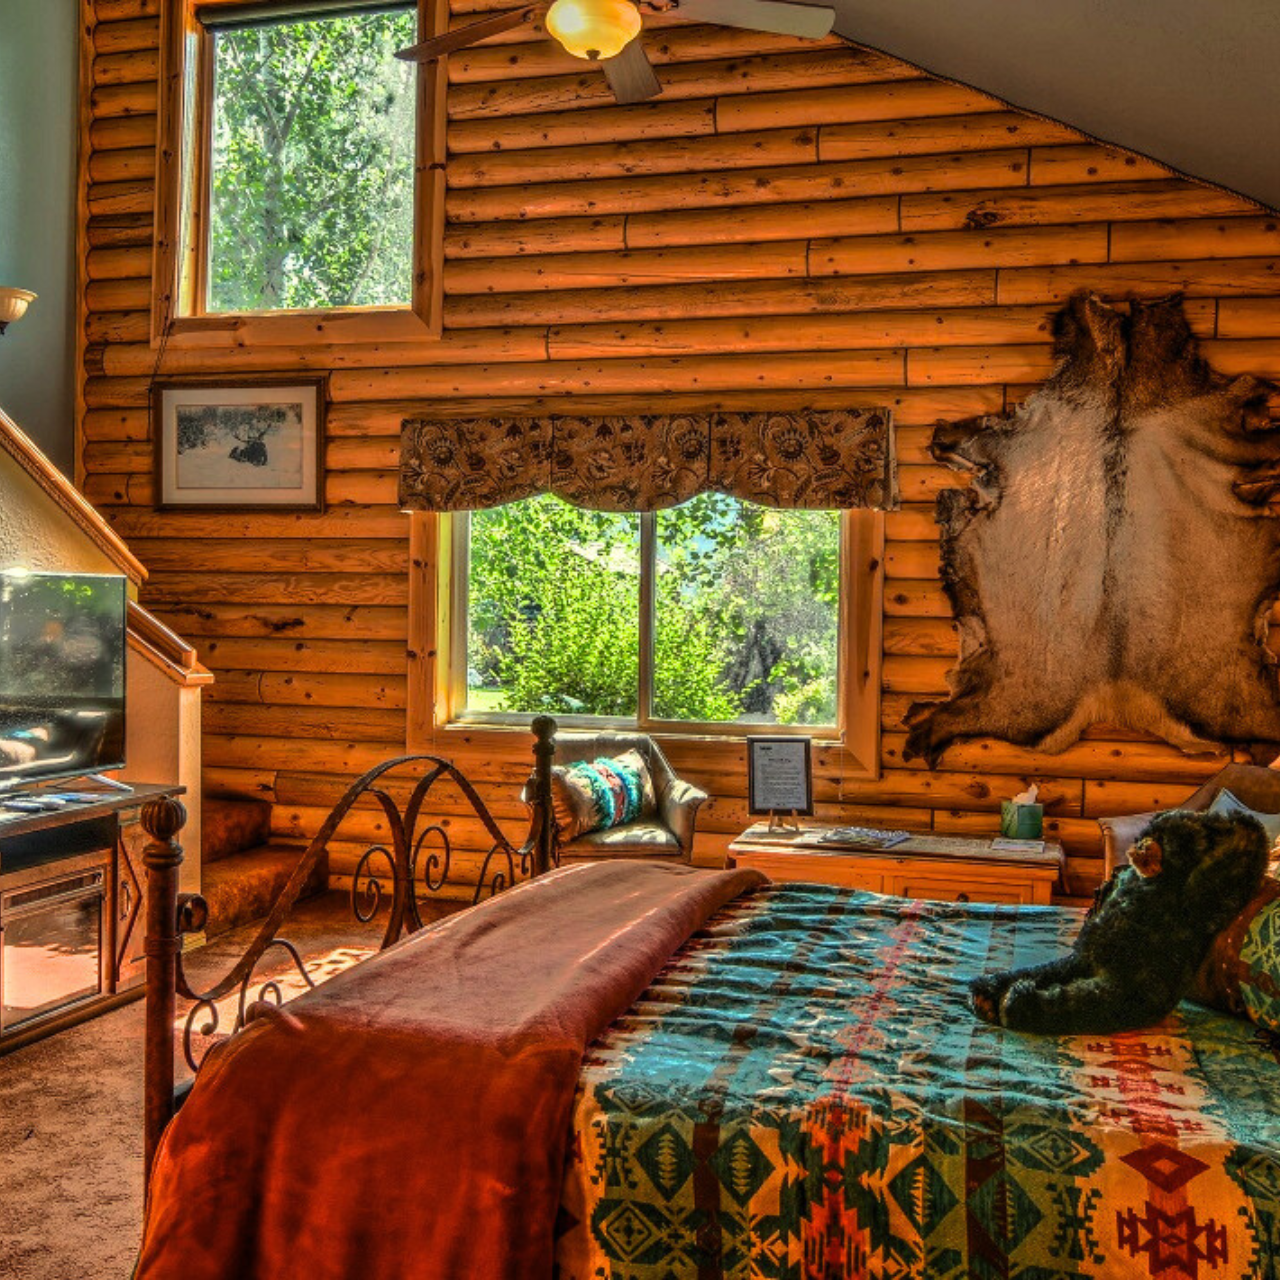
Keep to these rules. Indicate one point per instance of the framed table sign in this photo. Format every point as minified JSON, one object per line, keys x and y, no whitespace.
{"x":780,"y":775}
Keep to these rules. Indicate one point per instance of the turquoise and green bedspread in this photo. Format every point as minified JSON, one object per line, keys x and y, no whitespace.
{"x":803,"y":1093}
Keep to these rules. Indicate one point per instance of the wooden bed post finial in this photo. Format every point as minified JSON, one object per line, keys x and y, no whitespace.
{"x":544,"y":752}
{"x":162,"y":819}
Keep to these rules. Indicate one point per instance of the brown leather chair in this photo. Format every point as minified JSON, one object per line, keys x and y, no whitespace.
{"x":666,"y":837}
{"x":1251,"y":784}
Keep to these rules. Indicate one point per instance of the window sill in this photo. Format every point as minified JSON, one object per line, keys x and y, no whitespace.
{"x":300,"y":328}
{"x":824,"y":736}
{"x":716,"y":750}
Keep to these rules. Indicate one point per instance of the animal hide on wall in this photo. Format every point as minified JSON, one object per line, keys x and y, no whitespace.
{"x":1116,"y":554}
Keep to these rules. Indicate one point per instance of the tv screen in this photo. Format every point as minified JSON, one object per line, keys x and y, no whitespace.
{"x":62,"y":663}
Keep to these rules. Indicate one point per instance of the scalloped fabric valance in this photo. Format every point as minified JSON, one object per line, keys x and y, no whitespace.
{"x":819,"y":458}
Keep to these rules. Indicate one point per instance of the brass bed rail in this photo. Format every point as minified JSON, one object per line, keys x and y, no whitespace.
{"x":414,"y":860}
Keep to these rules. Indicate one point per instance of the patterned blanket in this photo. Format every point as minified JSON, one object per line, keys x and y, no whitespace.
{"x":803,"y":1093}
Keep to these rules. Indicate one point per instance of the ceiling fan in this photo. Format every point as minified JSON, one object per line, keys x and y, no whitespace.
{"x":605,"y":31}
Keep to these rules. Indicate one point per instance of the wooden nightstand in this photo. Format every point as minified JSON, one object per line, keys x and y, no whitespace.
{"x":945,"y":868}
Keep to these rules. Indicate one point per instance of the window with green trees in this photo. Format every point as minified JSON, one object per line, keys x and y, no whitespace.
{"x":311,"y":161}
{"x":718,"y":611}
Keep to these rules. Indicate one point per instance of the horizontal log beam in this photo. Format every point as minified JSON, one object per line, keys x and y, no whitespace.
{"x":542,"y":59}
{"x":744,"y":298}
{"x":1053,"y":205}
{"x":1090,"y":162}
{"x":831,"y":180}
{"x":328,"y":589}
{"x":586,"y":88}
{"x":286,"y":622}
{"x":1205,"y":278}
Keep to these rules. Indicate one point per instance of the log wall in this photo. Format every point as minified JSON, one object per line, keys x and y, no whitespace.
{"x":787,"y":225}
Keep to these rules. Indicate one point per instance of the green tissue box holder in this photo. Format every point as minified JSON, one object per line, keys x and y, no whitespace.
{"x":1021,"y":821}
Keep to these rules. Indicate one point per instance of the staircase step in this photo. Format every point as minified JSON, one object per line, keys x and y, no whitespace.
{"x":243,"y":886}
{"x":229,"y":826}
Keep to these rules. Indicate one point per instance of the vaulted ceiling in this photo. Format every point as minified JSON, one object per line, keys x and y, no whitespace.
{"x":1192,"y":83}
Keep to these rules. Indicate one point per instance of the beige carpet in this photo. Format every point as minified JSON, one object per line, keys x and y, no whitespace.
{"x":71,"y":1119}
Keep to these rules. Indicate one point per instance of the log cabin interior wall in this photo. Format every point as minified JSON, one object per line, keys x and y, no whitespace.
{"x":788,"y":225}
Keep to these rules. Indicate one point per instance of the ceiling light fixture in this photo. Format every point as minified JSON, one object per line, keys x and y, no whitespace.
{"x":13,"y":304}
{"x":594,"y":29}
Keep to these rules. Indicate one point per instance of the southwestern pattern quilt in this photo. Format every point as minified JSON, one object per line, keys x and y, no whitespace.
{"x":803,"y":1094}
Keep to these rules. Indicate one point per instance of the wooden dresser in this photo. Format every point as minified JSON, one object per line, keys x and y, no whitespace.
{"x":945,"y":868}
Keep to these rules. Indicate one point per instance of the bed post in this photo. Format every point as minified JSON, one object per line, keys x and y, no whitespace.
{"x":544,"y":750}
{"x":162,"y":819}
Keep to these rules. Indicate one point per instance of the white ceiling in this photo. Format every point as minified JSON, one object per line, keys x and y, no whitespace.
{"x":1192,"y":83}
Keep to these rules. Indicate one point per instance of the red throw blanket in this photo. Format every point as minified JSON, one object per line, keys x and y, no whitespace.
{"x":408,"y":1119}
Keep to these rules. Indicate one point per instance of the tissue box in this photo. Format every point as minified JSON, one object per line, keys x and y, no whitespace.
{"x":1021,"y":821}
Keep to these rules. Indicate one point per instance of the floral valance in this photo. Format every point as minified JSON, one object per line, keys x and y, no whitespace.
{"x":818,"y":458}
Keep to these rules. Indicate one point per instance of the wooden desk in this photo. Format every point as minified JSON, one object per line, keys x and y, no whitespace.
{"x":945,"y":868}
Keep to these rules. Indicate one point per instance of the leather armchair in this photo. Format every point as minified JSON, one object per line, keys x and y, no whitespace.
{"x":1252,"y":785}
{"x":667,"y":836}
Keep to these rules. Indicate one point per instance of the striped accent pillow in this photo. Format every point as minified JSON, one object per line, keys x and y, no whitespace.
{"x":598,"y":794}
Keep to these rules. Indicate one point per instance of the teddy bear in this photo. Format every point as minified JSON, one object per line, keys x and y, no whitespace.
{"x":1148,"y":932}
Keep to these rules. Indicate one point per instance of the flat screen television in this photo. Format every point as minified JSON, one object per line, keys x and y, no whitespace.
{"x":62,"y":675}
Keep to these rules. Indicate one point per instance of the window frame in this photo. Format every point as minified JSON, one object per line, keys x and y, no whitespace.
{"x":438,"y":549}
{"x":180,"y":258}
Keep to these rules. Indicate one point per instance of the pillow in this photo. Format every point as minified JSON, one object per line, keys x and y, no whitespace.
{"x":606,"y":792}
{"x":1226,"y":804}
{"x":1241,"y":973}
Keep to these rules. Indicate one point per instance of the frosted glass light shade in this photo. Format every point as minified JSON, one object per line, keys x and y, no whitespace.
{"x":594,"y":28}
{"x":13,"y":304}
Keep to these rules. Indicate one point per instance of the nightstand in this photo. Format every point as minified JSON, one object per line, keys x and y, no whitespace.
{"x":945,"y":868}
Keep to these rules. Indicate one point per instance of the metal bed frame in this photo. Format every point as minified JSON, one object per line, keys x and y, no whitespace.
{"x":416,"y":861}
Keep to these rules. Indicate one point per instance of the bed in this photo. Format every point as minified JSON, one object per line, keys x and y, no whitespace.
{"x":803,"y":1092}
{"x":731,"y":1080}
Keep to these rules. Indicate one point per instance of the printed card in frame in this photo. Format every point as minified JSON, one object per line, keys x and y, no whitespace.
{"x":779,"y":775}
{"x":248,"y":444}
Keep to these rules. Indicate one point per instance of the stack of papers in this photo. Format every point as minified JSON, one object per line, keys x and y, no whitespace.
{"x":855,"y":838}
{"x":1002,"y":844}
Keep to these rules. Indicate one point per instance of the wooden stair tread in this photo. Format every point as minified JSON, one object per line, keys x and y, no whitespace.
{"x":243,"y":886}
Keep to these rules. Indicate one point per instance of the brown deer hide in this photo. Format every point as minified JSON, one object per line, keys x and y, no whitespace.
{"x":1116,"y":555}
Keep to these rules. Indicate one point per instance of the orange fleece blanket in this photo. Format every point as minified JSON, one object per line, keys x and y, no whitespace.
{"x":409,"y":1118}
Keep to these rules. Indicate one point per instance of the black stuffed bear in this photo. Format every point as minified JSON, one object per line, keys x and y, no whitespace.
{"x":1150,"y":928}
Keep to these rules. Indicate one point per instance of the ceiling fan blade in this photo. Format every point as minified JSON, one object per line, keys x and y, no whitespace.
{"x":809,"y":21}
{"x":462,"y":37}
{"x":630,"y":74}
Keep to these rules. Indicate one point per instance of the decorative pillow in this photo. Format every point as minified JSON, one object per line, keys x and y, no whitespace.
{"x":605,"y":792}
{"x":1227,"y":804}
{"x":1241,"y":973}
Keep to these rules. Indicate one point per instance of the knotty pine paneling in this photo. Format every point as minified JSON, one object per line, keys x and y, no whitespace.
{"x":787,"y":225}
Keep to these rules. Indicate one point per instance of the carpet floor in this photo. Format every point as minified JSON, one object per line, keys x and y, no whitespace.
{"x":71,"y":1114}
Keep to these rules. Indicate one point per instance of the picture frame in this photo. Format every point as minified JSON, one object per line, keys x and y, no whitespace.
{"x":779,"y":774}
{"x":243,"y":444}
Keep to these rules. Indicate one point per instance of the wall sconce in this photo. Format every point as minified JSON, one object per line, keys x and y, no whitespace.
{"x":13,"y":305}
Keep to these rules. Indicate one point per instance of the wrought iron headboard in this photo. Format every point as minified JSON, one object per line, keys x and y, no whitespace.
{"x":411,"y":861}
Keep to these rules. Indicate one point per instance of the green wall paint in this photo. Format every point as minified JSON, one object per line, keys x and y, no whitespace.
{"x":38,"y":67}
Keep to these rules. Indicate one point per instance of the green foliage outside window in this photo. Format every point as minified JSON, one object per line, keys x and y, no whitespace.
{"x":745,"y":612}
{"x":311,"y":191}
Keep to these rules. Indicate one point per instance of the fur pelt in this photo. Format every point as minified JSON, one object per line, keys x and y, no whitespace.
{"x":1151,"y":927}
{"x":1113,"y":559}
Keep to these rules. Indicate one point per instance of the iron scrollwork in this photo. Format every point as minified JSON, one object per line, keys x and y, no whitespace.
{"x":412,"y":863}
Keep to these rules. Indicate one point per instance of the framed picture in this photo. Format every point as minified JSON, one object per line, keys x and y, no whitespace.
{"x":256,"y":443}
{"x":779,"y":775}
